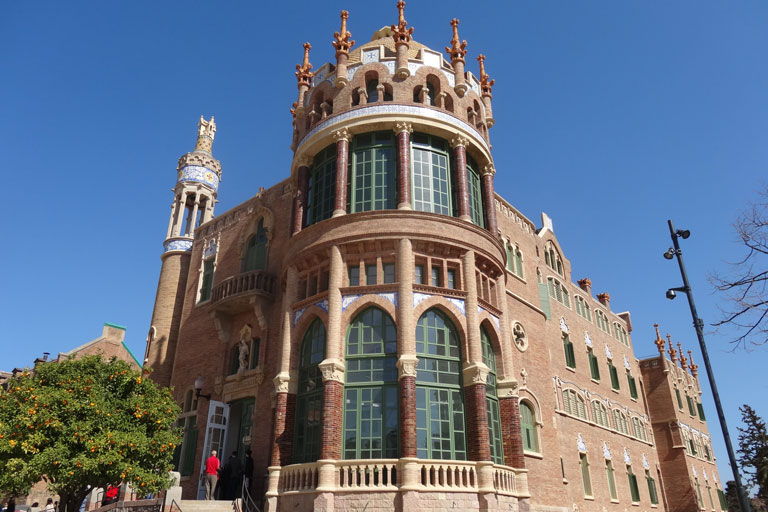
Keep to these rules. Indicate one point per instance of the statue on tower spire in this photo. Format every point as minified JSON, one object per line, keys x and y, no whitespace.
{"x":342,"y":43}
{"x":672,"y":351}
{"x":402,"y":36}
{"x":485,"y":89}
{"x":683,"y":360}
{"x":457,"y":50}
{"x":206,"y":131}
{"x":659,"y":341}
{"x":304,"y":72}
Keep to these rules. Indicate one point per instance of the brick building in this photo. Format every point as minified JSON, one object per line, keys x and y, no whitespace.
{"x":385,"y":332}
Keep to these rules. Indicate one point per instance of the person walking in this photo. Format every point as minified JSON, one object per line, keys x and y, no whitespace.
{"x":212,"y":466}
{"x":49,"y":507}
{"x":248,"y":470}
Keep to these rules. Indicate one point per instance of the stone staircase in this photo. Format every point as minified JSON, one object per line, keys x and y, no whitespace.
{"x":206,"y":506}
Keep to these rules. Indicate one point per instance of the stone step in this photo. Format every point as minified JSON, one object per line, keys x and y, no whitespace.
{"x":206,"y":506}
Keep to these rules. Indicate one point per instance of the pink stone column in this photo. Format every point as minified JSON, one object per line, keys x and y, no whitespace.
{"x":403,"y":132}
{"x":489,"y":200}
{"x":459,"y":145}
{"x":300,"y":200}
{"x":342,"y":158}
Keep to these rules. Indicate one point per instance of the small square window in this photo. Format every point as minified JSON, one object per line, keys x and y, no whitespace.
{"x":435,"y":276}
{"x":389,"y":272}
{"x":354,"y":276}
{"x":418,"y":274}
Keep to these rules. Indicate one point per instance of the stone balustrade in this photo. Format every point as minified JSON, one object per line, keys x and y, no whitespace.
{"x":256,"y":281}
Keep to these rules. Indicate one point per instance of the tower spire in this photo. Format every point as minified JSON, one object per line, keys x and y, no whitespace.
{"x":672,"y":351}
{"x":485,"y":88}
{"x":694,"y":367}
{"x":304,"y":76}
{"x":342,"y":44}
{"x":206,"y":131}
{"x":457,"y":51}
{"x":683,"y":360}
{"x":659,"y":341}
{"x":402,"y":36}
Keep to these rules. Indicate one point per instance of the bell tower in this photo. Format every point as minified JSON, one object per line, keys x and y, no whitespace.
{"x":194,"y":197}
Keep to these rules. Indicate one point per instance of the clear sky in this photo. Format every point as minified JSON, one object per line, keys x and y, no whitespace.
{"x":610,"y":116}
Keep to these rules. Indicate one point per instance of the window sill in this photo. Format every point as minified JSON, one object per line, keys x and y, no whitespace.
{"x":614,"y":500}
{"x":617,"y":391}
{"x":533,"y":455}
{"x":595,"y":381}
{"x":635,"y":503}
{"x":589,"y":498}
{"x":570,"y":369}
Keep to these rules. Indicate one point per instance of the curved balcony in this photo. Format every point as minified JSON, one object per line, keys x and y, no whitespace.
{"x":234,"y":294}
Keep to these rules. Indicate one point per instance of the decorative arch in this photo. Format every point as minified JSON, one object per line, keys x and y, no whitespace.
{"x":259,"y":213}
{"x":454,"y":314}
{"x":309,"y":396}
{"x":367,"y":301}
{"x":495,"y":338}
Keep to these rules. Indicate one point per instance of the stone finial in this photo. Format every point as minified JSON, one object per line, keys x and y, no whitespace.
{"x":402,"y":34}
{"x":659,"y":341}
{"x":304,"y":72}
{"x":586,"y":285}
{"x":694,"y":367}
{"x":672,"y":352}
{"x":457,"y":50}
{"x":605,"y":299}
{"x":206,"y":131}
{"x":683,"y":360}
{"x":341,"y":41}
{"x":485,"y":84}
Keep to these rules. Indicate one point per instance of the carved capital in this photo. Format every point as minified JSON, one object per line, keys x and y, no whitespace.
{"x":459,"y":140}
{"x":332,"y":369}
{"x":488,"y":169}
{"x":284,"y":383}
{"x":508,"y":388}
{"x":342,"y":134}
{"x":476,"y":373}
{"x":403,"y":127}
{"x":303,"y":160}
{"x":406,"y":366}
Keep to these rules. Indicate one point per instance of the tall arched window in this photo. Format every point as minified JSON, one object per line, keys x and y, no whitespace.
{"x":431,"y":174}
{"x":322,"y":186}
{"x":552,"y":258}
{"x":309,"y":398}
{"x":528,"y":427}
{"x":370,"y":394}
{"x":440,"y":428}
{"x":372,"y":183}
{"x":492,"y":399}
{"x":371,"y":89}
{"x":475,"y":194}
{"x":256,"y":249}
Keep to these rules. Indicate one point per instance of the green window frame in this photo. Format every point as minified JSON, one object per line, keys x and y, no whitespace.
{"x":435,"y":276}
{"x":207,"y":280}
{"x":450,"y":275}
{"x":594,"y":365}
{"x":492,"y":398}
{"x":700,"y":408}
{"x":552,"y":258}
{"x":389,"y":272}
{"x":614,"y":376}
{"x":698,"y":492}
{"x":370,"y":274}
{"x":723,"y":500}
{"x":558,"y":292}
{"x":322,"y":186}
{"x":632,"y":386}
{"x":371,"y":391}
{"x":574,"y":404}
{"x":691,"y":407}
{"x":679,"y":399}
{"x":418,"y":274}
{"x":602,"y":322}
{"x":528,"y":427}
{"x":308,"y":425}
{"x":570,"y":356}
{"x":620,"y":422}
{"x":430,"y":175}
{"x":353,"y":272}
{"x":373,"y":173}
{"x":256,"y":249}
{"x":707,"y":452}
{"x":600,"y":414}
{"x":585,"y":478}
{"x":634,"y":490}
{"x":609,"y":473}
{"x":440,"y":424}
{"x":620,"y":333}
{"x":582,"y":308}
{"x":651,"y":488}
{"x":255,"y":348}
{"x":184,"y":456}
{"x":475,"y":193}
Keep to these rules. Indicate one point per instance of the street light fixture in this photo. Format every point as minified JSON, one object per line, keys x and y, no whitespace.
{"x":698,"y":324}
{"x":199,"y":387}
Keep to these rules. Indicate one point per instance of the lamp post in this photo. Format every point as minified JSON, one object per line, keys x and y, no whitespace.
{"x":698,"y":324}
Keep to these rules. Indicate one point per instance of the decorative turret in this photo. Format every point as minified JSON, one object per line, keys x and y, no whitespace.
{"x":457,"y":51}
{"x":402,"y":36}
{"x":694,"y":367}
{"x":683,"y":360}
{"x":485,"y":88}
{"x":342,"y":43}
{"x":304,"y":76}
{"x":672,"y":351}
{"x":659,"y":341}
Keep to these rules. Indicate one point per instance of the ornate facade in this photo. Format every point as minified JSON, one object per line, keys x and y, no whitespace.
{"x":382,"y":329}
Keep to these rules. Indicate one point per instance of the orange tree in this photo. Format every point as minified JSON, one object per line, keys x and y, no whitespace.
{"x":85,"y":423}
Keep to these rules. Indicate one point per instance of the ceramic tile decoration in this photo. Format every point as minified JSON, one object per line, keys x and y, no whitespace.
{"x":199,"y":174}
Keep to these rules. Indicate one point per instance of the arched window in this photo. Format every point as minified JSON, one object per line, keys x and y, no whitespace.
{"x":475,"y":193}
{"x":620,"y":422}
{"x":309,"y":398}
{"x":528,"y":427}
{"x":492,"y":399}
{"x":582,"y":308}
{"x":552,"y":258}
{"x":371,"y":89}
{"x":370,"y":393}
{"x":184,"y":455}
{"x":620,"y":333}
{"x":600,"y":414}
{"x":558,"y":292}
{"x":440,"y":428}
{"x":430,"y":174}
{"x":256,"y":249}
{"x":372,"y":177}
{"x":322,"y":186}
{"x":601,"y":319}
{"x":574,"y":404}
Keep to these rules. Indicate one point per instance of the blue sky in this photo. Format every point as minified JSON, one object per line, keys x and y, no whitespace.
{"x":610,"y":116}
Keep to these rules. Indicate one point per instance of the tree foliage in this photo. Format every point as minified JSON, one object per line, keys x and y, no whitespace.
{"x":85,"y":423}
{"x":746,"y":288}
{"x":753,"y":451}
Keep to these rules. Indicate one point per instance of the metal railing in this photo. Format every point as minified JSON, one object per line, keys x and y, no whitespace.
{"x":246,"y":502}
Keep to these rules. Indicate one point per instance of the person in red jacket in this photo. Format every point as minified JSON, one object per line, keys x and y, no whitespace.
{"x":212,"y":466}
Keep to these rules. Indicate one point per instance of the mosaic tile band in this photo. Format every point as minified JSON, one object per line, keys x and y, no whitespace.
{"x":177,"y":245}
{"x":198,"y":174}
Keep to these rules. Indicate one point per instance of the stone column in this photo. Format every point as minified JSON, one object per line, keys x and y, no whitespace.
{"x":489,"y":200}
{"x":459,"y":145}
{"x":300,"y":200}
{"x":401,"y":50}
{"x":407,"y":360}
{"x":179,"y":216}
{"x":403,"y":132}
{"x":511,"y":434}
{"x":285,"y":381}
{"x":342,"y":157}
{"x":193,"y":224}
{"x":172,"y":219}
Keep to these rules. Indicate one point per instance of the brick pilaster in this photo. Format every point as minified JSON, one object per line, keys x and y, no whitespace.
{"x":511,"y":435}
{"x":460,"y":176}
{"x":300,"y":200}
{"x":408,"y":445}
{"x":282,"y":430}
{"x":333,"y":407}
{"x":489,"y":200}
{"x":479,"y":445}
{"x":403,"y":131}
{"x":342,"y":158}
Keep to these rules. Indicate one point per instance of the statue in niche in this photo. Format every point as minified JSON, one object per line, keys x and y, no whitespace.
{"x":244,"y":349}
